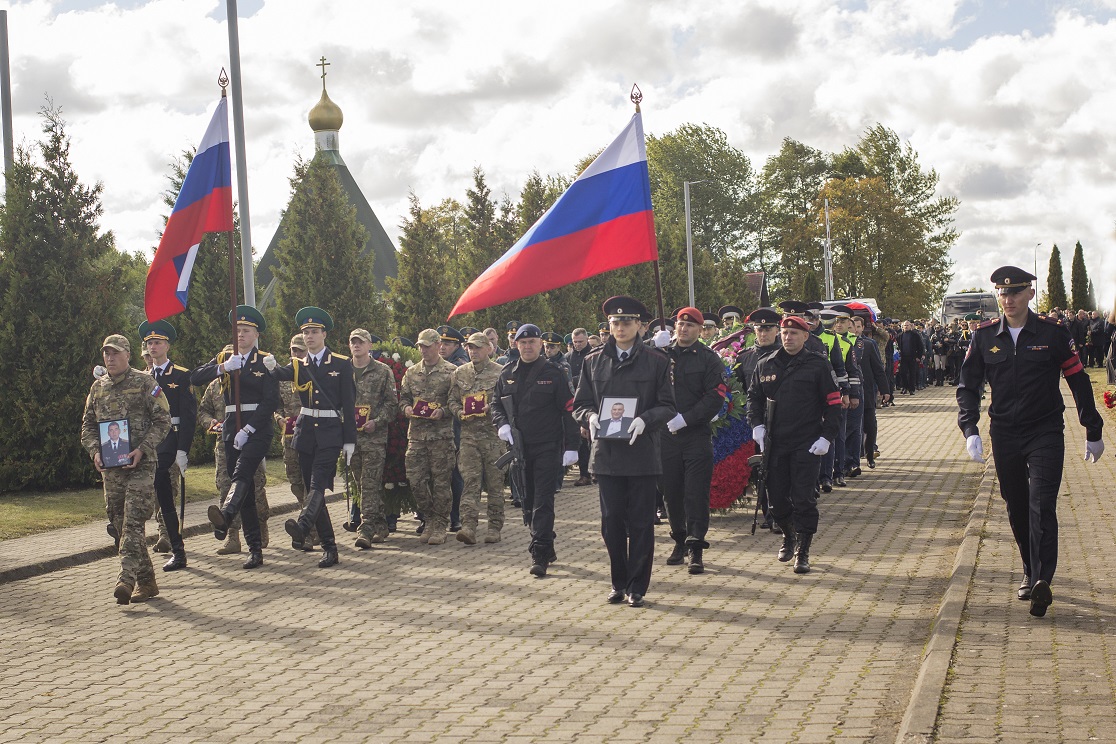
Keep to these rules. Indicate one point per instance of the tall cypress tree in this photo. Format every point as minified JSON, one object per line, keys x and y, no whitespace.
{"x":61,"y":282}
{"x":1055,"y":284}
{"x":1079,"y":281}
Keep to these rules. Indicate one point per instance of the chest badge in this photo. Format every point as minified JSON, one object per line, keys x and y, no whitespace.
{"x":334,"y":374}
{"x":258,"y":374}
{"x":172,"y":385}
{"x":995,"y":349}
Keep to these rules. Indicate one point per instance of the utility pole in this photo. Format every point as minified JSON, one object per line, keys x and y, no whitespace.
{"x":689,"y":240}
{"x":6,"y":95}
{"x":828,"y":256}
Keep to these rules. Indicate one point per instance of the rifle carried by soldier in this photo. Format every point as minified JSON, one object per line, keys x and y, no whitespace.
{"x":758,"y":463}
{"x":514,"y":458}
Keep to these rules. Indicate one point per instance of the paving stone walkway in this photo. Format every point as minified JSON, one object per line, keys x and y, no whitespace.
{"x":410,"y":642}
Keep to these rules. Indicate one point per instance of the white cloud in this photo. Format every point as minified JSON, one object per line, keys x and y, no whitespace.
{"x":1011,"y":110}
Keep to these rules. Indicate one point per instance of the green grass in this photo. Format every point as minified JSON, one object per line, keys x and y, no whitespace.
{"x":30,"y":513}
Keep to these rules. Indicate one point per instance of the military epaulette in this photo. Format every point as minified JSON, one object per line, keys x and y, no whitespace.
{"x":989,"y":323}
{"x":263,"y":353}
{"x":180,"y":368}
{"x":339,"y":356}
{"x":1045,"y":319}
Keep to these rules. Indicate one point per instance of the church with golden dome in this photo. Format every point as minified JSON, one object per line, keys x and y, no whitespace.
{"x":325,"y":121}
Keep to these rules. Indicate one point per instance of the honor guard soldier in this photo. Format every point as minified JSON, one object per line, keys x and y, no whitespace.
{"x":172,"y":452}
{"x":535,"y":393}
{"x":687,"y":451}
{"x":803,"y":428}
{"x":424,"y":394}
{"x":1021,"y":356}
{"x":325,"y":426}
{"x":627,"y":464}
{"x":247,"y":430}
{"x":127,"y":395}
{"x":472,"y":388}
{"x":377,"y":404}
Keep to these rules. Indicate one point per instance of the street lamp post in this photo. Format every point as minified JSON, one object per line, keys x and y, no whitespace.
{"x":689,"y":240}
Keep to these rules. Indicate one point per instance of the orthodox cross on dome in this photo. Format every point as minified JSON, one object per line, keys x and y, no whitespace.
{"x":323,"y":64}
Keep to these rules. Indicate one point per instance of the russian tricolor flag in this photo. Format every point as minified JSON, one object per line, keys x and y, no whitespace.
{"x":602,"y":222}
{"x":204,"y":204}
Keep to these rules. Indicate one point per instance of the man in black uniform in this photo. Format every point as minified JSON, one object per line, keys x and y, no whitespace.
{"x":627,"y":469}
{"x":325,"y":427}
{"x":579,"y":349}
{"x":172,"y":452}
{"x":1021,"y":355}
{"x":765,"y":322}
{"x":687,"y":451}
{"x":247,"y":429}
{"x":807,"y":403}
{"x":538,"y":392}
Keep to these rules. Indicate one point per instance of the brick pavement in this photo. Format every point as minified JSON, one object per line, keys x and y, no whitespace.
{"x":410,"y":642}
{"x":1022,"y":679}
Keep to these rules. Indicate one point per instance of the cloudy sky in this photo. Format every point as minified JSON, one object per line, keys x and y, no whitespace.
{"x":1012,"y":101}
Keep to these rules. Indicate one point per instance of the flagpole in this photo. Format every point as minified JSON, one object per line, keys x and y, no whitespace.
{"x":223,"y":81}
{"x":636,"y":97}
{"x":241,"y":158}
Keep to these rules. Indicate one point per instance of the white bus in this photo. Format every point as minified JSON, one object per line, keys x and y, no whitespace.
{"x":962,"y":303}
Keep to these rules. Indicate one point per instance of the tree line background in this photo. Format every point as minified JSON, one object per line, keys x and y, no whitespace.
{"x":64,"y":285}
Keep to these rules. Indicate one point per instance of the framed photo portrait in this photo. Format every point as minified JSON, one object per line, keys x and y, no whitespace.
{"x":616,"y":415}
{"x":115,"y":444}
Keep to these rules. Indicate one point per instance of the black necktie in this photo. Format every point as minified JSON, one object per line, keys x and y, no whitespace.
{"x":623,"y":355}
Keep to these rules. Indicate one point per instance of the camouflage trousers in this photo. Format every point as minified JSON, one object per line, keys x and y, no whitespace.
{"x":224,"y":483}
{"x":294,"y":470}
{"x":475,"y":463}
{"x":429,"y":469}
{"x":129,"y":503}
{"x":367,"y":468}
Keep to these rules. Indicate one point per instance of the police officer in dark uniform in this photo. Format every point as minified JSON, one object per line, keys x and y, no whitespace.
{"x":538,"y":391}
{"x":627,"y":468}
{"x":1021,"y":356}
{"x":326,"y":426}
{"x":687,"y":451}
{"x":248,"y":432}
{"x":765,"y":322}
{"x":807,"y":401}
{"x":175,"y":383}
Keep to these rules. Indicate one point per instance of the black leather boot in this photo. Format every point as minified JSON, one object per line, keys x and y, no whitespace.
{"x":696,"y":565}
{"x":221,"y":517}
{"x":177,"y":561}
{"x":329,"y":557}
{"x":255,"y":559}
{"x":802,"y":553}
{"x":786,"y":552}
{"x":678,"y":555}
{"x":299,"y":528}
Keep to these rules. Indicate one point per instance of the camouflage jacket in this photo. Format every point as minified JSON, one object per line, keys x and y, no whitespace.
{"x":431,"y":385}
{"x":290,"y":408}
{"x":375,"y":388}
{"x":211,"y":408}
{"x":469,"y":380}
{"x":134,"y":396}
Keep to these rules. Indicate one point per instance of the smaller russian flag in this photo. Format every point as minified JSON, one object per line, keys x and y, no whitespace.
{"x":204,"y":204}
{"x":602,"y":222}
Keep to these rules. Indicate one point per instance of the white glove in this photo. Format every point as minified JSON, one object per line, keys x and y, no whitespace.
{"x":676,"y":423}
{"x":636,"y":429}
{"x":241,"y":438}
{"x":99,"y":372}
{"x":819,"y":447}
{"x":661,"y":339}
{"x":182,"y":461}
{"x":594,"y":425}
{"x":504,"y":432}
{"x":349,"y":448}
{"x":569,"y":457}
{"x":233,"y":363}
{"x":270,"y":363}
{"x":758,"y":433}
{"x":975,"y":448}
{"x":1093,"y":450}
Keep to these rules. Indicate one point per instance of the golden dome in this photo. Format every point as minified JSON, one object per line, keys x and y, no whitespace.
{"x":326,"y":115}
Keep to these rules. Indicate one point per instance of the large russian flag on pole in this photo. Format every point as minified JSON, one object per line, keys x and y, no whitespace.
{"x":602,"y":222}
{"x":204,"y":204}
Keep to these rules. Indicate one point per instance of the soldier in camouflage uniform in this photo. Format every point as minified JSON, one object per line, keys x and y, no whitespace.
{"x":211,"y":417}
{"x":126,"y":393}
{"x":471,"y":389}
{"x":285,"y":417}
{"x":375,"y":389}
{"x":430,"y":453}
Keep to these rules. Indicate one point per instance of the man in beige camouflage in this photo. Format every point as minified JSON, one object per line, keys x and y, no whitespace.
{"x":471,"y":389}
{"x":211,"y":416}
{"x":285,"y":417}
{"x":430,"y":452}
{"x":126,"y":393}
{"x":377,"y":405}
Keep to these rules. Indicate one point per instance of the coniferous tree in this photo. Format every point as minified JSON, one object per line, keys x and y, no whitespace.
{"x":1055,"y":284}
{"x":61,"y":282}
{"x":420,"y":294}
{"x":1092,"y":297}
{"x":1079,"y":281}
{"x":320,"y":261}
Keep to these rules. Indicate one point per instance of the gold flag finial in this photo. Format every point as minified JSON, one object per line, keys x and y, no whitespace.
{"x":223,"y":81}
{"x":636,"y":96}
